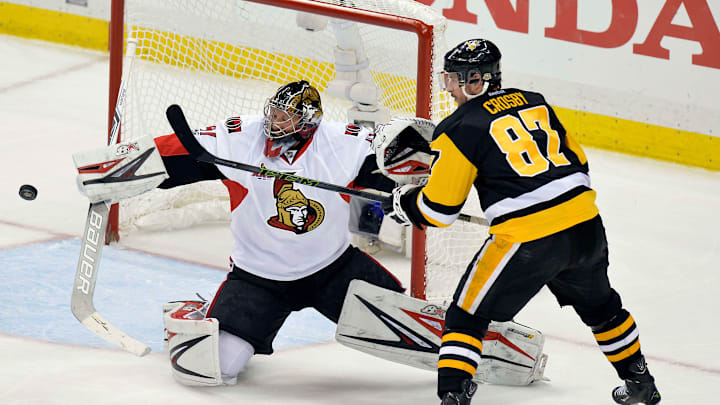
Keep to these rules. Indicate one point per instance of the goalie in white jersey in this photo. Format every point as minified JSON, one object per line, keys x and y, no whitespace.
{"x":291,"y":243}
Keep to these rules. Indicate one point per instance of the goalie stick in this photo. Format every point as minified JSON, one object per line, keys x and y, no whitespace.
{"x":177,"y":120}
{"x":81,"y":302}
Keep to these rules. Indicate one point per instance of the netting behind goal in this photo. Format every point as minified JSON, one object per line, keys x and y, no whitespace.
{"x":224,"y":58}
{"x":449,"y":251}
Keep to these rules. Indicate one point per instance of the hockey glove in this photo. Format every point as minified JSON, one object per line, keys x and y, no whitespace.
{"x":402,"y":149}
{"x":119,"y":171}
{"x":396,"y":211}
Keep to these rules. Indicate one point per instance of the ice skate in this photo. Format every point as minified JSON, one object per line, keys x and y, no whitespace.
{"x":462,"y":397}
{"x":639,"y":389}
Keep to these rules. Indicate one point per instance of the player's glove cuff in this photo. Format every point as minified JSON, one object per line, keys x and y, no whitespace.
{"x":396,"y":211}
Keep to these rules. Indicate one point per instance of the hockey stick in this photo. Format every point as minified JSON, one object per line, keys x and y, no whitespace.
{"x":81,"y":302}
{"x":179,"y":124}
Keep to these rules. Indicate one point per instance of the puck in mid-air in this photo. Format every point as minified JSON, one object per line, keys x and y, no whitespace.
{"x":28,"y":192}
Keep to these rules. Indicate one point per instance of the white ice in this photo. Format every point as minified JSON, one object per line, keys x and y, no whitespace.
{"x":662,"y":221}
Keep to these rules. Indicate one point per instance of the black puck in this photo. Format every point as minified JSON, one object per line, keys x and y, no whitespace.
{"x":28,"y":192}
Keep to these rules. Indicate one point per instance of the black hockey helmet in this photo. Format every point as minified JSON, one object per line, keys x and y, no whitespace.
{"x":474,"y":56}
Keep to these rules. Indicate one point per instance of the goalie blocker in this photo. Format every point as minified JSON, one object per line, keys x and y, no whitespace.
{"x":406,"y":330}
{"x":119,"y":171}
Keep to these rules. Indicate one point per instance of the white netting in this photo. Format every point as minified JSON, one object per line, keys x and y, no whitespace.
{"x":449,"y":251}
{"x":223,"y":58}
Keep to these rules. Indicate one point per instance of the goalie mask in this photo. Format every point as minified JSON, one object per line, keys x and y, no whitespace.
{"x":402,"y":149}
{"x":291,"y":115}
{"x":471,"y":61}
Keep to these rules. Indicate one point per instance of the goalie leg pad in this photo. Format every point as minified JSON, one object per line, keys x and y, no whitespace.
{"x":193,"y":345}
{"x":407,"y":330}
{"x":511,"y":355}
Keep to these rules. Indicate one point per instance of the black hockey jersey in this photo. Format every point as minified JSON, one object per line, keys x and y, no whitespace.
{"x":531,"y":177}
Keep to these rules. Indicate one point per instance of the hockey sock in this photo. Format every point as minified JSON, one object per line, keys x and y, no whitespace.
{"x":459,"y":357}
{"x":618,"y":339}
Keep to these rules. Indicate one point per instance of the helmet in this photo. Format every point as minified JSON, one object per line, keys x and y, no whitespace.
{"x":291,"y":115}
{"x":474,"y":56}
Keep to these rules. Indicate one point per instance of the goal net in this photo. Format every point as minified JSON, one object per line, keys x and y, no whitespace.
{"x":370,"y":59}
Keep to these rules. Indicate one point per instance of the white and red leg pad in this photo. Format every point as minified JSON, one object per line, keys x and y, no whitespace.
{"x":192,"y":342}
{"x":407,"y":330}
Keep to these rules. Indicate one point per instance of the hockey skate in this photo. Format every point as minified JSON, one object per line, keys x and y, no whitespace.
{"x":640,"y":389}
{"x":460,"y":398}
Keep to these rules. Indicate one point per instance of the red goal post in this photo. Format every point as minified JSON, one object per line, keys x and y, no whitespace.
{"x":212,"y":57}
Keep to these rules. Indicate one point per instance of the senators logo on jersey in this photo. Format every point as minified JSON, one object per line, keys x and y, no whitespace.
{"x":295,"y":212}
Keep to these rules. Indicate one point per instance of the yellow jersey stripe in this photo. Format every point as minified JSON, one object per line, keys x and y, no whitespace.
{"x":547,"y":192}
{"x":625,"y":353}
{"x":549,"y":221}
{"x":452,"y":174}
{"x":615,"y":332}
{"x":463,"y":338}
{"x":456,"y":364}
{"x":488,"y":263}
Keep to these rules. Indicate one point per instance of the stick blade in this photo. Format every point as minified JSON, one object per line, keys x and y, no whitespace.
{"x":96,"y":323}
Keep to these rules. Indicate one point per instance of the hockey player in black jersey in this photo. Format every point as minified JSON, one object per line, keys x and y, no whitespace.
{"x":545,"y":229}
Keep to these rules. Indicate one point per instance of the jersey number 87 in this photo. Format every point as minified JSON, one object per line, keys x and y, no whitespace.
{"x":521,"y":150}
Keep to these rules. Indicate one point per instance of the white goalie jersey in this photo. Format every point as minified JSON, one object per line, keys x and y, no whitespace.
{"x":283,"y":230}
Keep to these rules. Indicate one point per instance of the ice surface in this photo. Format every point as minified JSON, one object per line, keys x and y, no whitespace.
{"x":662,"y":221}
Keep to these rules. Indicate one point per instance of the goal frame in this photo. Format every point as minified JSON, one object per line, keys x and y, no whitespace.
{"x":424,"y":34}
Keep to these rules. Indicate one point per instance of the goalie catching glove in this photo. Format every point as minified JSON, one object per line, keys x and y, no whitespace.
{"x":119,"y":171}
{"x":402,"y":149}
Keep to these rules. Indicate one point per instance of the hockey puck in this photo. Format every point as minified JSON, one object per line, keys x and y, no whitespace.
{"x":28,"y":192}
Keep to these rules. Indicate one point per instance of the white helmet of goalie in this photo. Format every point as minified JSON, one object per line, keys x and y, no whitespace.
{"x":402,"y":149}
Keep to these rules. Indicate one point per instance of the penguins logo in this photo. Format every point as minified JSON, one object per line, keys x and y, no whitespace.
{"x":296,"y":212}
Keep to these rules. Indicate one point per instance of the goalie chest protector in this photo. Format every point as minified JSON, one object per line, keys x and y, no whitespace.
{"x":283,"y":230}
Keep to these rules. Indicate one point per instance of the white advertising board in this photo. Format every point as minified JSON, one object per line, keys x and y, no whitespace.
{"x":653,"y":61}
